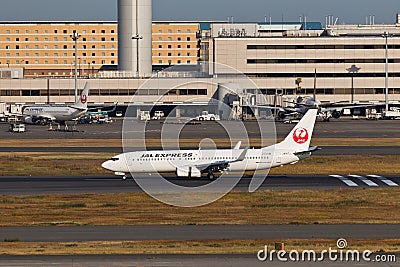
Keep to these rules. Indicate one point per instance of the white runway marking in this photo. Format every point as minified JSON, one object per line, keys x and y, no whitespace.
{"x":384,"y":180}
{"x":364,"y":180}
{"x":345,"y":180}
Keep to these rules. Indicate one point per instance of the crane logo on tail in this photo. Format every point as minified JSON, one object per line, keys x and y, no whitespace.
{"x":83,"y":98}
{"x":300,"y":136}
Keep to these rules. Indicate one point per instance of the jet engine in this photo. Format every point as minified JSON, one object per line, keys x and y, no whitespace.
{"x":188,"y":172}
{"x":29,"y":120}
{"x":281,"y":115}
{"x":336,"y":114}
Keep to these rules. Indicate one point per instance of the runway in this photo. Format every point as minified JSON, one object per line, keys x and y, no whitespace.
{"x":169,"y":261}
{"x":114,"y":184}
{"x":324,"y":150}
{"x":198,"y":232}
{"x":341,"y":128}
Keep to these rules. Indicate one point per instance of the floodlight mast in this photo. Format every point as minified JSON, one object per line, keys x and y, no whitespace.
{"x":386,"y":35}
{"x":137,"y":37}
{"x":75,"y":36}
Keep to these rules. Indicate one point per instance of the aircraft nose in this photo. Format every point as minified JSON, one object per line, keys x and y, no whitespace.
{"x":107,"y":165}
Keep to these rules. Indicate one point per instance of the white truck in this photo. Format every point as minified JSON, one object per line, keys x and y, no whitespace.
{"x":3,"y":112}
{"x":158,"y":115}
{"x":372,"y":114}
{"x":206,"y":116}
{"x":17,"y":128}
{"x":144,"y":115}
{"x":392,"y":114}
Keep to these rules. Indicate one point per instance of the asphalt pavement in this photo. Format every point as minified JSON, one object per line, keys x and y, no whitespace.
{"x":115,"y":184}
{"x":171,"y":261}
{"x":341,"y":128}
{"x":198,"y":232}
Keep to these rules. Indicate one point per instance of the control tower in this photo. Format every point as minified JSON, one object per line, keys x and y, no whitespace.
{"x":134,"y":37}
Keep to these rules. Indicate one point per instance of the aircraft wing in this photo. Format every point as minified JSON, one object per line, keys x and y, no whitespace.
{"x":266,"y":107}
{"x":46,"y":117}
{"x":96,"y":109}
{"x":340,"y":108}
{"x":223,"y":164}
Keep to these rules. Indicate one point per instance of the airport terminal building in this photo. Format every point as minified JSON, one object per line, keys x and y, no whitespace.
{"x":280,"y":58}
{"x":343,"y":57}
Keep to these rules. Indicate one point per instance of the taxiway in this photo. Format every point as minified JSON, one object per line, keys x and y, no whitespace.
{"x":113,"y":184}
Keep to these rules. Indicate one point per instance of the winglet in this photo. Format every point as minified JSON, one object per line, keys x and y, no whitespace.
{"x":238,"y":145}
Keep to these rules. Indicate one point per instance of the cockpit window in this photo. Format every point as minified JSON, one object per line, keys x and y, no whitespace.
{"x":115,"y":159}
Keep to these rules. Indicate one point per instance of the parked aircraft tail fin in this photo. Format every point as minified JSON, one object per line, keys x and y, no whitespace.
{"x":81,"y":103}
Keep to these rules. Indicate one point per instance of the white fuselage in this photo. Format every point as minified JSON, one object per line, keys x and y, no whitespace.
{"x":57,"y":113}
{"x":170,"y":161}
{"x":194,"y":163}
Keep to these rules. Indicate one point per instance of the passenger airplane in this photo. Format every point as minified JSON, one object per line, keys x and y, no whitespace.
{"x":58,"y":113}
{"x":194,"y":163}
{"x":325,"y":110}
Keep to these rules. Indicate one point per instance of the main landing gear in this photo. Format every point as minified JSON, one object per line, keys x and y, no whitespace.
{"x":211,"y":176}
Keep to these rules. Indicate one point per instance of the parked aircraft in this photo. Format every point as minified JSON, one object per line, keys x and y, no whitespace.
{"x":60,"y":114}
{"x":325,"y":110}
{"x":213,"y":162}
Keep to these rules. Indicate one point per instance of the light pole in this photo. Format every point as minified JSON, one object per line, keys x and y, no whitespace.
{"x":353,"y":69}
{"x":75,"y":36}
{"x":137,"y":37}
{"x":386,"y":35}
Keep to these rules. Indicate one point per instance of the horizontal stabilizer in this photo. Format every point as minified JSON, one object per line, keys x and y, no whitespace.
{"x":311,"y":149}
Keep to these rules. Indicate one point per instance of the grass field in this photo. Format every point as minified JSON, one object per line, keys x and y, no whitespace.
{"x":14,"y":247}
{"x":350,"y":206}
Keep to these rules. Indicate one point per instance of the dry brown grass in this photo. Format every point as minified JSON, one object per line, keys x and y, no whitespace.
{"x":350,"y":206}
{"x":52,"y":164}
{"x":188,"y":247}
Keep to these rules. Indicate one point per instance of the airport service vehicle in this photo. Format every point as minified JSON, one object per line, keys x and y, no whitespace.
{"x":60,"y":114}
{"x":205,"y":116}
{"x":3,"y":111}
{"x":392,"y":114}
{"x":144,"y":115}
{"x":158,"y":115}
{"x":17,"y":128}
{"x":213,"y":162}
{"x":372,"y":114}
